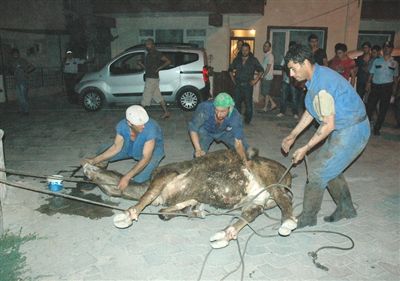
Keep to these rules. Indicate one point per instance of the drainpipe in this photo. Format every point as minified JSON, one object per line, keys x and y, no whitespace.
{"x":2,"y":186}
{"x":2,"y":70}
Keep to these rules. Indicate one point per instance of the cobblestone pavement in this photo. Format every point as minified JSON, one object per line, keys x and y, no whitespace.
{"x":74,"y":245}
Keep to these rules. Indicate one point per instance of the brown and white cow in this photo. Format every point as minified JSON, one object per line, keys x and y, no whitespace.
{"x":219,"y":179}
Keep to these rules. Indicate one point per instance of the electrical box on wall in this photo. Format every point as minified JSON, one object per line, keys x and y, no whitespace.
{"x":215,"y":20}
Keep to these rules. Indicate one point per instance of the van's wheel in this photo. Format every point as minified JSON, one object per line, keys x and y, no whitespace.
{"x":188,"y":98}
{"x":91,"y":99}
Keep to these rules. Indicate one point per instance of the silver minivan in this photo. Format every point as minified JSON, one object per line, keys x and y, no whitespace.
{"x":121,"y":81}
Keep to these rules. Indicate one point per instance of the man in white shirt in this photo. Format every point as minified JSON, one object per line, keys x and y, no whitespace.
{"x":266,"y":82}
{"x":70,"y":71}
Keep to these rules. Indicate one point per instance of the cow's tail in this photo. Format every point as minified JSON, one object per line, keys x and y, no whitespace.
{"x":252,"y":152}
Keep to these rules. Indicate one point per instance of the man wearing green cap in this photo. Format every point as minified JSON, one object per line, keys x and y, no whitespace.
{"x":217,"y":120}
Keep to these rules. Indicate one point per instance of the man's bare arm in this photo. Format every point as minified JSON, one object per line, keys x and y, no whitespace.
{"x":324,"y":130}
{"x":110,"y":152}
{"x":166,"y":61}
{"x":239,"y":147}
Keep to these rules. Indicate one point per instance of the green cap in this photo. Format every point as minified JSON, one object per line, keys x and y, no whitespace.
{"x":223,"y":100}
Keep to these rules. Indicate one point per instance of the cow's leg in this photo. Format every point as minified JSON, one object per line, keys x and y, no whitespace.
{"x":183,"y":207}
{"x":154,"y":190}
{"x":284,"y":202}
{"x":221,"y":239}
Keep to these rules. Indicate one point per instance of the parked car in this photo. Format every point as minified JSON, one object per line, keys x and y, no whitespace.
{"x":121,"y":81}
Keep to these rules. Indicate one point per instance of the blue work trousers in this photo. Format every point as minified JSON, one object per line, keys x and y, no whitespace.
{"x":145,"y":174}
{"x":340,"y":149}
{"x":227,"y":138}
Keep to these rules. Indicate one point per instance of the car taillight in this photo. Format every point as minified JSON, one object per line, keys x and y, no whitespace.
{"x":205,"y":74}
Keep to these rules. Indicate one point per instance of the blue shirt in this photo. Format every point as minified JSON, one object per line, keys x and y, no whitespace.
{"x":151,"y":131}
{"x":204,"y":117}
{"x":348,"y":106}
{"x":384,"y":71}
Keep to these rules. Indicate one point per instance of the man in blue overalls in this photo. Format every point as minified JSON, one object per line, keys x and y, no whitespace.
{"x":138,"y":137}
{"x":344,"y":127}
{"x":217,"y":120}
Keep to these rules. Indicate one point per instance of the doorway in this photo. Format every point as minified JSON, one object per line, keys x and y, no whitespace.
{"x":244,"y":35}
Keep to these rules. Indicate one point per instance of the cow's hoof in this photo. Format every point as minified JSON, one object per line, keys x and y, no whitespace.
{"x":122,"y":220}
{"x":218,"y":240}
{"x":287,"y":227}
{"x":219,"y":244}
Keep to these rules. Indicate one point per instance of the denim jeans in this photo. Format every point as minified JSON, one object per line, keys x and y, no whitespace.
{"x":243,"y":92}
{"x":227,"y":138}
{"x":22,"y":96}
{"x":290,"y":90}
{"x":145,"y":174}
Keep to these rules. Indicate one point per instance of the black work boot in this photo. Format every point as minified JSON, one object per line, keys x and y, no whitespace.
{"x":339,"y":190}
{"x":312,"y":201}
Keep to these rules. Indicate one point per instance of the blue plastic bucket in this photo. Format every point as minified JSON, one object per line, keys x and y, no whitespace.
{"x":55,"y":183}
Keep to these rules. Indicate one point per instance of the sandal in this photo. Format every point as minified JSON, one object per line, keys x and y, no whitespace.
{"x":166,"y":115}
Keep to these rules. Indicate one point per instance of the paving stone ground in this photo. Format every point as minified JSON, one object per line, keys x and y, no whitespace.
{"x":55,"y":136}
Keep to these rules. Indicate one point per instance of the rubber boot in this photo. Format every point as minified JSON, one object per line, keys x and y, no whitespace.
{"x":312,"y":201}
{"x":339,"y":190}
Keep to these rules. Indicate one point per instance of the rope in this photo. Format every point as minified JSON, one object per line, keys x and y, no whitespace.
{"x":20,"y":173}
{"x":87,"y":200}
{"x":312,"y":254}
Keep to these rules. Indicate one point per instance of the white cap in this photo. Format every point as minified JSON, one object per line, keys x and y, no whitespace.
{"x":137,"y":115}
{"x":69,"y":52}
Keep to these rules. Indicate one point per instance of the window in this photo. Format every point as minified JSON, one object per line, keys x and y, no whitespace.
{"x":189,"y":58}
{"x":281,"y":36}
{"x":128,"y":64}
{"x":195,"y":33}
{"x":192,"y":36}
{"x":180,"y":58}
{"x":169,"y":35}
{"x":374,"y":37}
{"x":196,"y":37}
{"x":198,"y":43}
{"x":144,"y":34}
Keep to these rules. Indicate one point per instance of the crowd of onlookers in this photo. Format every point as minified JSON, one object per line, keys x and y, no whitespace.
{"x":372,"y":71}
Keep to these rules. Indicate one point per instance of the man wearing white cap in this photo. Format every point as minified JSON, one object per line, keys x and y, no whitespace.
{"x":138,"y":137}
{"x":70,"y":74}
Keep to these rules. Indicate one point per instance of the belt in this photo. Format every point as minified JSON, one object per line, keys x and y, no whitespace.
{"x":358,"y":121}
{"x":382,"y":85}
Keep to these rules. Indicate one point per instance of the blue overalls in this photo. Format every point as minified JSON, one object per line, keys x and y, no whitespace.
{"x":204,"y":124}
{"x":352,"y":128}
{"x":134,"y":149}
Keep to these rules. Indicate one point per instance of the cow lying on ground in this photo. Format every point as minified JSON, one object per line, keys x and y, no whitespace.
{"x":219,"y":179}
